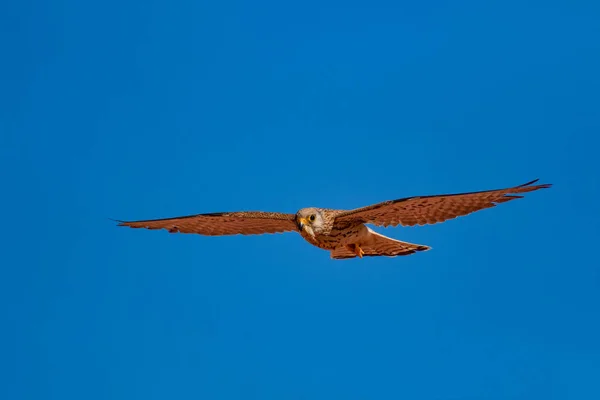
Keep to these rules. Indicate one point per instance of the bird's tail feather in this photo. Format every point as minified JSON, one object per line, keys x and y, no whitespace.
{"x":379,"y":245}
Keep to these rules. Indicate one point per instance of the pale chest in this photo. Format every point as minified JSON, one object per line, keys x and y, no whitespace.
{"x":336,"y":238}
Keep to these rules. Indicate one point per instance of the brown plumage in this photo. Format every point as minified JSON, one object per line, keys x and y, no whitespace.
{"x":423,"y":210}
{"x":343,"y":232}
{"x":220,"y":224}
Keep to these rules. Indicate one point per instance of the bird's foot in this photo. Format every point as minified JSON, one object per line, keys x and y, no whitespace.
{"x":357,"y":250}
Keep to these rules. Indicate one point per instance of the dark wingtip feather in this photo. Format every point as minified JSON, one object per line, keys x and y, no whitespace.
{"x":529,"y":183}
{"x":541,"y":186}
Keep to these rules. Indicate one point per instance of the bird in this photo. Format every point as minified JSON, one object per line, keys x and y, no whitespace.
{"x":344,"y":233}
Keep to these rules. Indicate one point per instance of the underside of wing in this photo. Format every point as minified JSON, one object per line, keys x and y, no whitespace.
{"x":218,"y":224}
{"x":423,"y":210}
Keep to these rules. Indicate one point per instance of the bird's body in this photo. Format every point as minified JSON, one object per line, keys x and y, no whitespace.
{"x":344,"y":232}
{"x":328,"y":236}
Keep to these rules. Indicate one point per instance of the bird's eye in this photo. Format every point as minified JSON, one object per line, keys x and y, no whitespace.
{"x":311,"y":218}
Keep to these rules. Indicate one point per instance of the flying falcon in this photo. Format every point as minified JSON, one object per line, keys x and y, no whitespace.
{"x":343,"y":232}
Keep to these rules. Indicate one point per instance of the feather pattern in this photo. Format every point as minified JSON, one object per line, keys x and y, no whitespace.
{"x":423,"y":210}
{"x":226,"y":223}
{"x":375,"y":245}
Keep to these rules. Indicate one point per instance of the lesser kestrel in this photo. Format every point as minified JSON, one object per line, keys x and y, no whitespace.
{"x":343,"y":232}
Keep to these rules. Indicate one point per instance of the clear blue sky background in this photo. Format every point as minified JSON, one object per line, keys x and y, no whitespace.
{"x":138,"y":109}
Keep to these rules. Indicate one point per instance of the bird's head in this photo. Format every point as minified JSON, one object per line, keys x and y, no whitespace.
{"x":310,"y":220}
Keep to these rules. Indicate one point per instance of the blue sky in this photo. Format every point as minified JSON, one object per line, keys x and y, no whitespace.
{"x":141,"y":110}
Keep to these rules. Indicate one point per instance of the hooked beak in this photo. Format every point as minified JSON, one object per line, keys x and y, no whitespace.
{"x":301,"y":223}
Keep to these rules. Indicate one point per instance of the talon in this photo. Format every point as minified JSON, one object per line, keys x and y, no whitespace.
{"x":355,"y":248}
{"x":358,"y":251}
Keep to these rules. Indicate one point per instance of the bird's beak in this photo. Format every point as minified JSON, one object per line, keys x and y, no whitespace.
{"x":301,"y":223}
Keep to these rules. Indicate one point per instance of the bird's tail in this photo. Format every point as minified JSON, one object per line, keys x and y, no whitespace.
{"x":378,"y":245}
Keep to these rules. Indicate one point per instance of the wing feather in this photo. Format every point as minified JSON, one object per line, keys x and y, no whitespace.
{"x":424,"y":210}
{"x":218,"y":224}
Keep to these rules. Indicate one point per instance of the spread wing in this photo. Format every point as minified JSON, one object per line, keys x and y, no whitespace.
{"x":227,"y":223}
{"x":423,"y":210}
